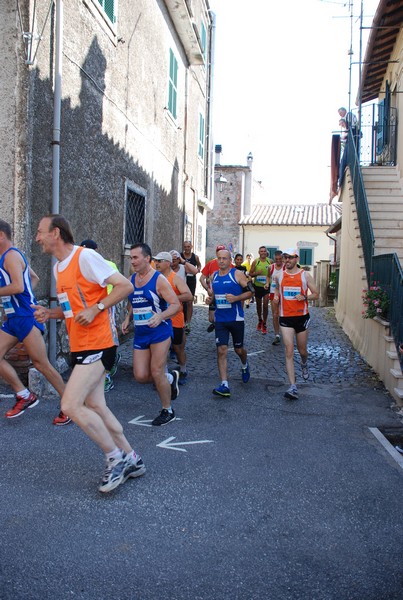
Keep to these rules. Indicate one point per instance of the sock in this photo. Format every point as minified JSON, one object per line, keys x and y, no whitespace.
{"x":245,"y":365}
{"x":116,"y":453}
{"x":24,"y":394}
{"x":224,"y":382}
{"x":182,"y":368}
{"x":169,"y":377}
{"x":170,"y":410}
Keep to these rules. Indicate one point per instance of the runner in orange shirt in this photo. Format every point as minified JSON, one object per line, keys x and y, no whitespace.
{"x":292,"y":285}
{"x":82,"y":276}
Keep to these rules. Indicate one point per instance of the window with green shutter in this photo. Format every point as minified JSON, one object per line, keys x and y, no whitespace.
{"x":203,"y":40}
{"x":200,"y":151}
{"x":109,"y":8}
{"x":305,"y":256}
{"x":172,"y":84}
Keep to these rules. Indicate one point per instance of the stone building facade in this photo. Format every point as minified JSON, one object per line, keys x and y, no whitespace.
{"x":135,"y":155}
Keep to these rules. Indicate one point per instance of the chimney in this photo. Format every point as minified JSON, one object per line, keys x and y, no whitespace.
{"x":218,"y":150}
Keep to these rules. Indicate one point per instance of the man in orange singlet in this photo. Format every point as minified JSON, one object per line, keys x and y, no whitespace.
{"x":82,"y":276}
{"x":163,"y":262}
{"x":292,"y":285}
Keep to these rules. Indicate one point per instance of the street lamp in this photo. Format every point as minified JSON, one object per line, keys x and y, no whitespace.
{"x":220,"y":181}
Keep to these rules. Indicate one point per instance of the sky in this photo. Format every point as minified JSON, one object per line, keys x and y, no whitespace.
{"x":281,"y":71}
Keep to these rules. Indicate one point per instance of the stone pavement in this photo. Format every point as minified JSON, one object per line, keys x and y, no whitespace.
{"x":332,"y":358}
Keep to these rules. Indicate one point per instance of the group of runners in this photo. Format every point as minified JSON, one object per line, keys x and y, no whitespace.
{"x":160,"y":295}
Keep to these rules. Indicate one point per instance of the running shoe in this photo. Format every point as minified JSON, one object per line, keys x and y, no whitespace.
{"x":108,"y":385}
{"x":134,"y":467}
{"x":210,"y":328}
{"x":259,"y":326}
{"x":291,"y":393}
{"x":304,"y":370}
{"x":113,"y":474}
{"x":21,"y":405}
{"x":183,"y":377}
{"x":164,"y":418}
{"x":399,"y":448}
{"x":222,"y":390}
{"x":114,"y":369}
{"x":245,"y":373}
{"x":276,"y":340}
{"x":187,"y":328}
{"x":61,"y":419}
{"x":264,"y":328}
{"x":175,"y":385}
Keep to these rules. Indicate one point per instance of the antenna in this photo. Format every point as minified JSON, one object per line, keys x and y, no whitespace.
{"x":30,"y":37}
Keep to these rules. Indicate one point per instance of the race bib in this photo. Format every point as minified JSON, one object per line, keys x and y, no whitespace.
{"x":221,"y":301}
{"x":290,"y":292}
{"x":65,"y":305}
{"x":142,"y":315}
{"x":7,"y":305}
{"x":260,"y":279}
{"x":273,"y":287}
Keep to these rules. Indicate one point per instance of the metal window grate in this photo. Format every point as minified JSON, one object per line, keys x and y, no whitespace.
{"x":135,"y":217}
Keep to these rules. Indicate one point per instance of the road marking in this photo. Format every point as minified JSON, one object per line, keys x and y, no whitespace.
{"x":138,"y":421}
{"x":249,"y":353}
{"x":168,"y":446}
{"x":387,"y":445}
{"x":6,"y":395}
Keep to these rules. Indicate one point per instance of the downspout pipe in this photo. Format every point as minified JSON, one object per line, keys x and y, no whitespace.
{"x":57,"y":100}
{"x":210,"y":169}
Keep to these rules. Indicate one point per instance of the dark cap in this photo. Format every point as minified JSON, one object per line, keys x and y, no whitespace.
{"x":89,"y":244}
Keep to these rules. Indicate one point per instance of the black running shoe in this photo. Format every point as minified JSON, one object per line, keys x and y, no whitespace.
{"x":164,"y":418}
{"x":175,"y":385}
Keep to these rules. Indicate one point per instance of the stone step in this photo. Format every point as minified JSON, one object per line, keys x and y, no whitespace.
{"x":398,"y":375}
{"x":385,"y":207}
{"x":399,"y":394}
{"x":386,"y":223}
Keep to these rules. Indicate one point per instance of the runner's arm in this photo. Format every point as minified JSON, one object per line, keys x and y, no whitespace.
{"x":185,"y":293}
{"x":14,"y":265}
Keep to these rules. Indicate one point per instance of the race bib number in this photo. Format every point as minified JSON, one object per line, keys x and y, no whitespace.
{"x":221,"y":301}
{"x":7,"y":305}
{"x":261,"y":279}
{"x":291,"y":292}
{"x":65,"y":305}
{"x":273,"y":287}
{"x":142,"y":315}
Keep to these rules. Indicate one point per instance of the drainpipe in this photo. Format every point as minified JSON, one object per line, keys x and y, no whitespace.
{"x":57,"y":98}
{"x":210,"y":169}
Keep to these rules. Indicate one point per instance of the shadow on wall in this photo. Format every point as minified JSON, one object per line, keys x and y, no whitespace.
{"x":93,"y":171}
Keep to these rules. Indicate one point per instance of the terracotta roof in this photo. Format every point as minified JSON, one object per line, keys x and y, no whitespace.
{"x":322,"y":215}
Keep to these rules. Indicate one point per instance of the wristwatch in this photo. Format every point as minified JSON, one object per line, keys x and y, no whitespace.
{"x":100,"y":306}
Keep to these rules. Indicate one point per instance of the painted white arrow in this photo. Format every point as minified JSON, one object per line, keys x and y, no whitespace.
{"x":138,"y":421}
{"x":167,"y":444}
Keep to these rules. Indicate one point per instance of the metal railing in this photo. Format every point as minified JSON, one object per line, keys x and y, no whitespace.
{"x":385,"y":269}
{"x":378,"y":136}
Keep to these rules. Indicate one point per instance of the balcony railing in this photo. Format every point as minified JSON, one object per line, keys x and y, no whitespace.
{"x":378,"y":138}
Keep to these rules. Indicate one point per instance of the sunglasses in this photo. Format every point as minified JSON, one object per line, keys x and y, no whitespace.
{"x":286,"y":256}
{"x":158,"y":260}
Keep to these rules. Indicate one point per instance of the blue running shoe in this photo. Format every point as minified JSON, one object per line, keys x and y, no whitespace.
{"x":222,"y":390}
{"x":245,"y":373}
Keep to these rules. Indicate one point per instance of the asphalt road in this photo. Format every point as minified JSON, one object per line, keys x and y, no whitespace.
{"x":261,"y":498}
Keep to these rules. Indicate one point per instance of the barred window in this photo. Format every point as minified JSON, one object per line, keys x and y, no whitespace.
{"x":135,"y":217}
{"x":109,"y":8}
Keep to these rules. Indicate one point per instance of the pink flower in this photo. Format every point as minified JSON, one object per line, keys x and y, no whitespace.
{"x":379,"y":310}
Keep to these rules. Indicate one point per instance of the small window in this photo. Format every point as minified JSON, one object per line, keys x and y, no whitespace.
{"x":200,"y":151}
{"x":135,"y":217}
{"x":172,"y":84}
{"x":305,"y":256}
{"x":109,"y":7}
